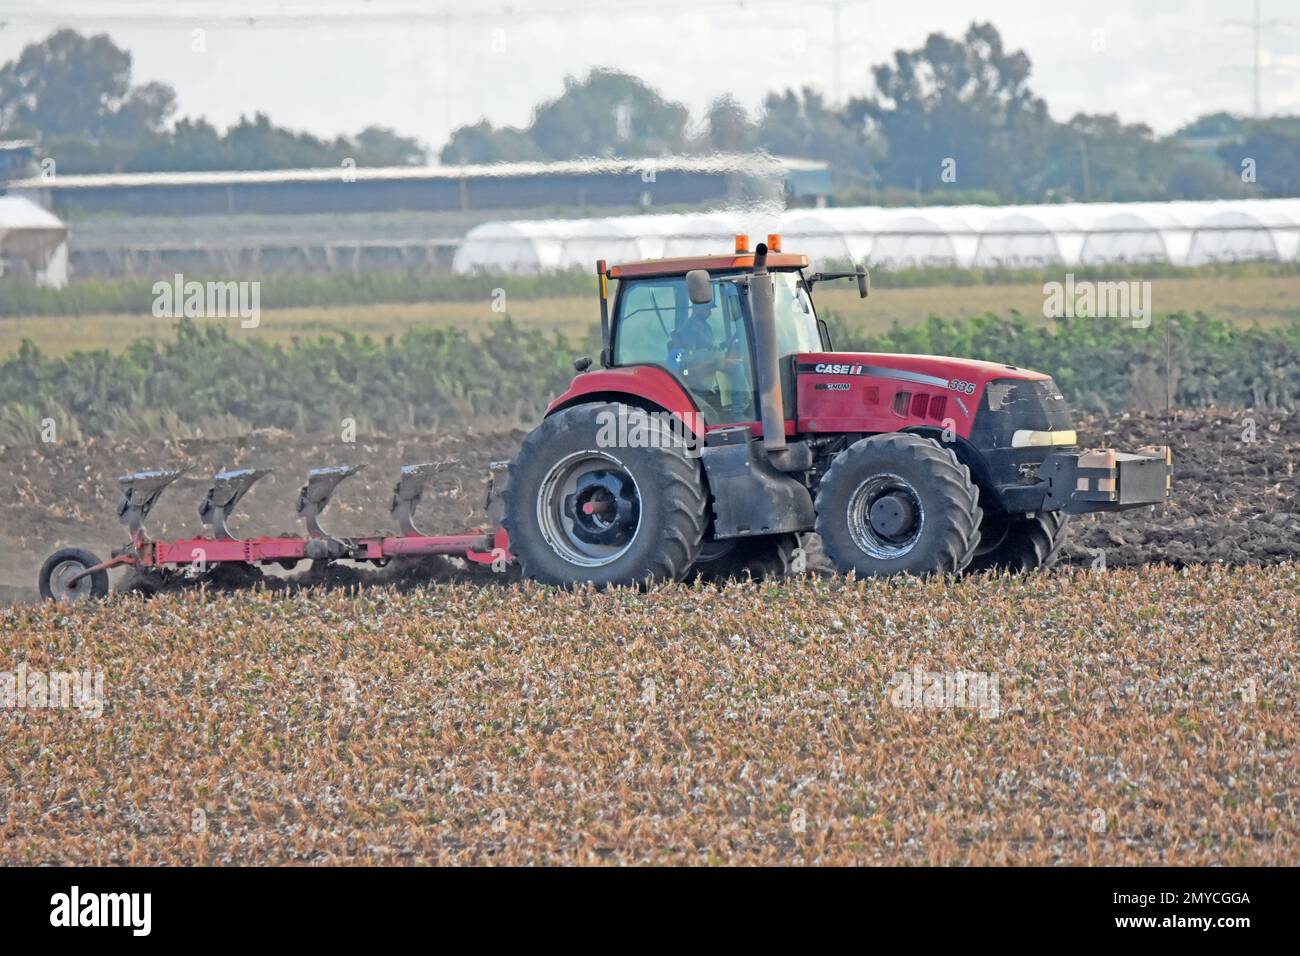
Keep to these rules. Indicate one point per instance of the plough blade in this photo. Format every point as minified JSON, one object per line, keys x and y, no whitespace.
{"x":227,"y":488}
{"x":140,"y":492}
{"x":407,"y":494}
{"x":315,"y":495}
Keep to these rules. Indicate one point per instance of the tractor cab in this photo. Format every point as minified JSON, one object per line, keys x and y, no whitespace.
{"x":704,"y":337}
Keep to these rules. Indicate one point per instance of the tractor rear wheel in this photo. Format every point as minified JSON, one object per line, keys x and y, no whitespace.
{"x":761,"y":557}
{"x":898,"y":504}
{"x":1030,"y":543}
{"x":604,"y":494}
{"x":56,"y":584}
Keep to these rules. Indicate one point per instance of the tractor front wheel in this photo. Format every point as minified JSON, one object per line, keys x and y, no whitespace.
{"x":604,"y":494}
{"x":898,"y":504}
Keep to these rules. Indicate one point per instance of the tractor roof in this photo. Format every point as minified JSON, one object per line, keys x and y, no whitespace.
{"x":681,"y":265}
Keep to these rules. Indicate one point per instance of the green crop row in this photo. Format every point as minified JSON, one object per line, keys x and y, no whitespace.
{"x":1107,"y":365}
{"x":209,"y":382}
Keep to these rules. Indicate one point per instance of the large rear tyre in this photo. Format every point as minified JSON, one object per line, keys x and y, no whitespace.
{"x":760,"y":557}
{"x":607,"y":495}
{"x":898,"y":504}
{"x":56,"y":584}
{"x":1029,"y":544}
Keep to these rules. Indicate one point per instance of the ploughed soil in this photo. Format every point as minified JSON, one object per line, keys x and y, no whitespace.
{"x":1234,"y":500}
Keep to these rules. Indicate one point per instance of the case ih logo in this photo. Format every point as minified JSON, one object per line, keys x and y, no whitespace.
{"x":830,"y":368}
{"x":848,"y":368}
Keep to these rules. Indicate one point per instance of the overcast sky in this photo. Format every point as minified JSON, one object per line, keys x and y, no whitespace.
{"x":336,"y":66}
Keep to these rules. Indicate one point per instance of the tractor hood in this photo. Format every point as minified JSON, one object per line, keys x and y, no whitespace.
{"x":939,"y":371}
{"x":881,"y":392}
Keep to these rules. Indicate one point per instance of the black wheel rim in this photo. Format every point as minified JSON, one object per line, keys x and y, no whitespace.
{"x":885,"y":517}
{"x":589,"y":509}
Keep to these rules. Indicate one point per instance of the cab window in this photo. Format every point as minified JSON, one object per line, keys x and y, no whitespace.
{"x":796,"y":322}
{"x":706,"y":347}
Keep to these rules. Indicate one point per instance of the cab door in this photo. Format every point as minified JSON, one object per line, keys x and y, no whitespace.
{"x":707,"y":348}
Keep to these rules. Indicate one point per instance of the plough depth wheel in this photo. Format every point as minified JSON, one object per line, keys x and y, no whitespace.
{"x":62,"y":567}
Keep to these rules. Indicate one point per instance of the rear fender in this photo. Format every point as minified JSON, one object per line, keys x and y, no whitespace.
{"x":642,"y":386}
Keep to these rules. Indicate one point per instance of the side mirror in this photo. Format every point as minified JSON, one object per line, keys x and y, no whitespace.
{"x":864,"y":282}
{"x":699,"y":286}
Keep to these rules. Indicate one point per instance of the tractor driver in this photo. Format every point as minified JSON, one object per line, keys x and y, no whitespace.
{"x":698,"y":357}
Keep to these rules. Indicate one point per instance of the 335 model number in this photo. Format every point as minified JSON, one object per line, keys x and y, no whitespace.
{"x":957,"y":385}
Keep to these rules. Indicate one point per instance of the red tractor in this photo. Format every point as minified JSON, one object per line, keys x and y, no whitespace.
{"x":720,"y":427}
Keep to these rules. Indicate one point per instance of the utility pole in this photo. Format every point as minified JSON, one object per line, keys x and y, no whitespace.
{"x":835,"y":51}
{"x":1257,"y":25}
{"x":838,"y":43}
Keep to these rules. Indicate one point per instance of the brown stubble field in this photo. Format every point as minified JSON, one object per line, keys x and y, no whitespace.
{"x":1142,"y":715}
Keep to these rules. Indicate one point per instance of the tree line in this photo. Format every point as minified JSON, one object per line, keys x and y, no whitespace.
{"x":953,"y":120}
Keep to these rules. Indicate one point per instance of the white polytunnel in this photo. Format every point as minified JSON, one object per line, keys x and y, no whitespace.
{"x":1017,"y":241}
{"x":1123,"y":238}
{"x":831,"y":237}
{"x":924,"y":239}
{"x":610,"y":239}
{"x":1231,"y":236}
{"x":1069,"y":224}
{"x":525,"y":247}
{"x":698,"y":235}
{"x":1066,"y":234}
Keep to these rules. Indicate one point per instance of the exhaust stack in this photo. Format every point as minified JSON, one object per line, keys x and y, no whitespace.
{"x":762,"y":303}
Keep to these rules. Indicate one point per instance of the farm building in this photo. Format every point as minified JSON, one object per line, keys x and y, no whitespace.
{"x":663,"y":181}
{"x":380,"y":219}
{"x":33,"y":243}
{"x":1072,"y":234}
